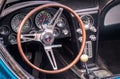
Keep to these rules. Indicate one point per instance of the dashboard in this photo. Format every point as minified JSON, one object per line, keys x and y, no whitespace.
{"x":37,"y":23}
{"x":54,"y":36}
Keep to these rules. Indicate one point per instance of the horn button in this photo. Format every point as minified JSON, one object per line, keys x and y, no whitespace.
{"x":47,"y":38}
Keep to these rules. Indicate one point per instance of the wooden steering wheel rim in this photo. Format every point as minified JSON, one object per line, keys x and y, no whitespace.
{"x":82,"y":44}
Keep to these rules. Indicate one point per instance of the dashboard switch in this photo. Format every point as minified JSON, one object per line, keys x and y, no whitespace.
{"x":92,"y":37}
{"x":79,"y":31}
{"x":93,"y":29}
{"x":65,"y":31}
{"x":80,"y":39}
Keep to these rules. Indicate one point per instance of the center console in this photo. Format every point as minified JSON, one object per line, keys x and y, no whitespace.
{"x":90,"y":23}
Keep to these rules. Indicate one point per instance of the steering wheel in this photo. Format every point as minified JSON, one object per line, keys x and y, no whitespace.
{"x":47,"y":38}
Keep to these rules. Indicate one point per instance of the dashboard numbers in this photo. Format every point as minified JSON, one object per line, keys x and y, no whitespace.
{"x":16,"y":20}
{"x":42,"y":19}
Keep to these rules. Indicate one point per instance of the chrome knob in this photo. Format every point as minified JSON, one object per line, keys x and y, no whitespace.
{"x":92,"y":37}
{"x":79,"y":31}
{"x":93,"y":29}
{"x":65,"y":31}
{"x":80,"y":39}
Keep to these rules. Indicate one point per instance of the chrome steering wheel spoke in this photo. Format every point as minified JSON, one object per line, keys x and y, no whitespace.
{"x":50,"y":55}
{"x":54,"y":20}
{"x":30,"y":37}
{"x":47,"y":38}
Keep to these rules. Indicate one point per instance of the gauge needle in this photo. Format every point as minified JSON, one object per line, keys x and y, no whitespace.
{"x":42,"y":23}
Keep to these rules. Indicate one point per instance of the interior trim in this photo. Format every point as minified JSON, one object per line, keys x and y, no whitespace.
{"x":13,"y":64}
{"x":24,"y":4}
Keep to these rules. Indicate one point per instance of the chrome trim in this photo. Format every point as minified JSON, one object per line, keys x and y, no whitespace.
{"x":91,"y":24}
{"x":107,"y":3}
{"x":24,"y":4}
{"x":8,"y":66}
{"x":91,"y":69}
{"x":13,"y":64}
{"x":51,"y":56}
{"x":88,"y":9}
{"x":87,"y":13}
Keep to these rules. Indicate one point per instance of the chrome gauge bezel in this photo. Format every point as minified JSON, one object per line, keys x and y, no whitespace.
{"x":3,"y":31}
{"x":18,"y":17}
{"x":12,"y":38}
{"x":88,"y":24}
{"x":56,"y":32}
{"x":62,"y":20}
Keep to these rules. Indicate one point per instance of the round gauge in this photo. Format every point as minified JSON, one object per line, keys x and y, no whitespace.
{"x":87,"y":20}
{"x":56,"y":32}
{"x":4,"y":30}
{"x":42,"y":19}
{"x":12,"y":38}
{"x":61,"y":22}
{"x":16,"y":20}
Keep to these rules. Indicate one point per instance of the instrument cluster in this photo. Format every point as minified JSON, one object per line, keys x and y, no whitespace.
{"x":37,"y":23}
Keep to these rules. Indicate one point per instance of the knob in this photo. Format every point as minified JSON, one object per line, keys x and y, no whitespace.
{"x":80,"y":39}
{"x":84,"y":58}
{"x":65,"y":31}
{"x":93,"y":29}
{"x":79,"y":31}
{"x":87,"y":27}
{"x":92,"y":37}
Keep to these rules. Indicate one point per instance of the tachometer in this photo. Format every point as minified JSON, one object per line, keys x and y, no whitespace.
{"x":42,"y":19}
{"x":16,"y":20}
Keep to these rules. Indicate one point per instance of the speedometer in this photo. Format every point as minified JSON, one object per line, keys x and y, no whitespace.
{"x":42,"y":19}
{"x":16,"y":20}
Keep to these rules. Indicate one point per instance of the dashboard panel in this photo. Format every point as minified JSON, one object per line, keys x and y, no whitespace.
{"x":91,"y":40}
{"x":100,"y":19}
{"x":36,"y":23}
{"x":87,"y":11}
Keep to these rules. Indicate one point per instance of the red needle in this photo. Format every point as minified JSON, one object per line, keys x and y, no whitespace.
{"x":44,"y":17}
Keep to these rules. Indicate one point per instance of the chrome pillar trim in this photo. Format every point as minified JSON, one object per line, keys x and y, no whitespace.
{"x":12,"y":64}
